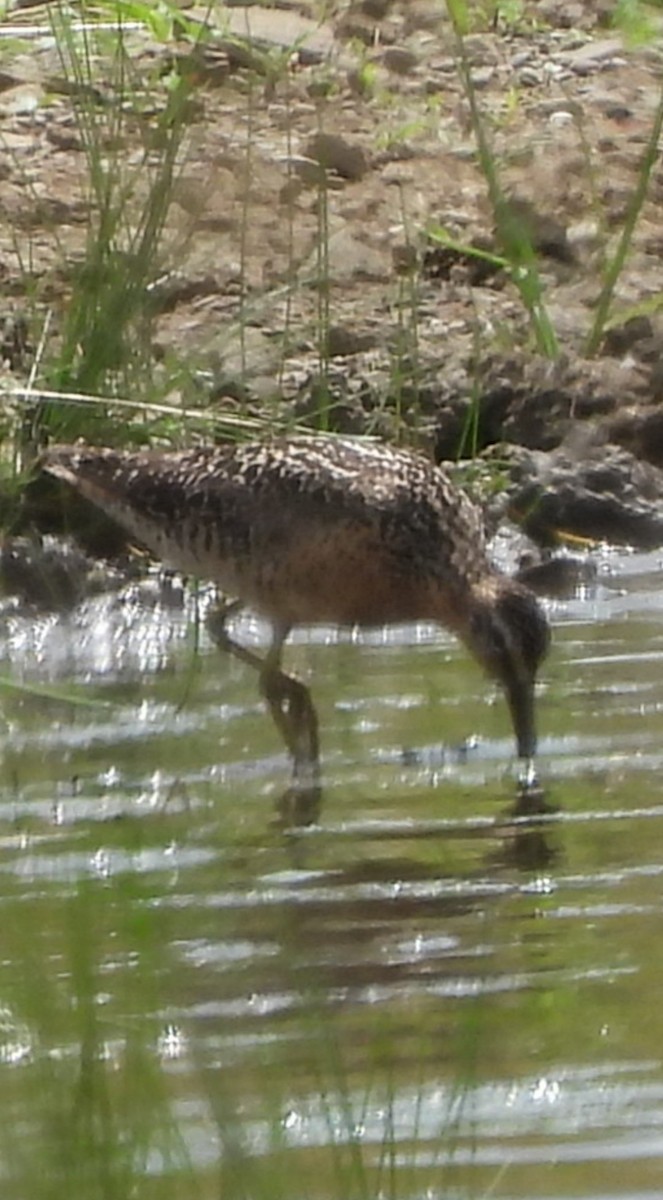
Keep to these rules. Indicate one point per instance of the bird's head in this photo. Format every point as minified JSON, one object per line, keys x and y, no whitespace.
{"x":509,"y":634}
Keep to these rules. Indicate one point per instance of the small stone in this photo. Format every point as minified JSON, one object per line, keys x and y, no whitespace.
{"x":482,"y":76}
{"x":622,"y":338}
{"x":404,"y":258}
{"x":352,"y":30}
{"x":560,"y":104}
{"x":21,"y":101}
{"x":529,"y":77}
{"x":335,"y":153}
{"x":585,"y":233}
{"x":560,"y":119}
{"x":377,"y":9}
{"x":618,"y":112}
{"x":593,"y":54}
{"x":343,"y":340}
{"x":265,"y":28}
{"x":399,"y":60}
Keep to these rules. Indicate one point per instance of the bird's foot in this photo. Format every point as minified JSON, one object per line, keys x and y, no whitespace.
{"x":299,"y":805}
{"x":295,"y":717}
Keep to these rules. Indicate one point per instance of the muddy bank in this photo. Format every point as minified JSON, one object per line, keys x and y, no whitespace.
{"x":351,"y":131}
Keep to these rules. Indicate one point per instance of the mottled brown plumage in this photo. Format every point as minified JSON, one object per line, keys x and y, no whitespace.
{"x":331,"y":530}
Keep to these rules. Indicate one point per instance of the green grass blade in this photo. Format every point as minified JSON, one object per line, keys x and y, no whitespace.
{"x":616,"y":265}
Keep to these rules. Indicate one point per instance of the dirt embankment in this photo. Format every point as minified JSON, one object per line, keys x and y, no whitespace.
{"x":296,"y":269}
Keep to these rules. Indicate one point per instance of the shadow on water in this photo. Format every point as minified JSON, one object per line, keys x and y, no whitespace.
{"x":436,"y":983}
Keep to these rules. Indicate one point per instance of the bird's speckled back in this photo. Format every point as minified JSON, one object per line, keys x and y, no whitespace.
{"x":305,"y":515}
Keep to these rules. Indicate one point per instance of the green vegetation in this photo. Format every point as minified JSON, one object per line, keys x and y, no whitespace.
{"x":519,"y":256}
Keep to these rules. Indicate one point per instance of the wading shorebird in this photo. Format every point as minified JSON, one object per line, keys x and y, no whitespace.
{"x":322,"y":530}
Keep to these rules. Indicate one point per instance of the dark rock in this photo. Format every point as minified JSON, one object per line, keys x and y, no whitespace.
{"x":53,"y":508}
{"x":640,"y":431}
{"x":352,"y":29}
{"x":650,"y":349}
{"x":656,"y":381}
{"x":452,"y":429}
{"x":336,"y":153}
{"x":542,"y":419}
{"x":336,"y":395}
{"x":343,"y":340}
{"x":377,"y":9}
{"x":538,"y":420}
{"x":535,"y":406}
{"x":622,"y":338}
{"x":15,"y":343}
{"x":546,"y":233}
{"x":400,"y":60}
{"x":532,"y":401}
{"x":618,"y":112}
{"x":48,"y":574}
{"x":475,"y":264}
{"x":558,"y":576}
{"x":606,"y":496}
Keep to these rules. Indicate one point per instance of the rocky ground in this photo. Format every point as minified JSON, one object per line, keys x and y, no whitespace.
{"x":324,"y":144}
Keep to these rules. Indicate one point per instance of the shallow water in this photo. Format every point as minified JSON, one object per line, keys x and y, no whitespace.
{"x":430,"y":991}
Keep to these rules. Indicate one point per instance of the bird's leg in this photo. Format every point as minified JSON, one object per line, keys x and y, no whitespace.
{"x":293,"y":713}
{"x":291,"y":708}
{"x":217,"y":627}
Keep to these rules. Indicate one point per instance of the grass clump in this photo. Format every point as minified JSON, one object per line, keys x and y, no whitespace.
{"x":517,"y":254}
{"x":105,"y":337}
